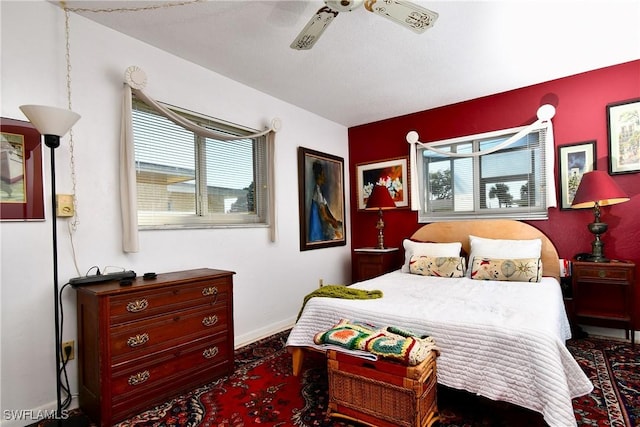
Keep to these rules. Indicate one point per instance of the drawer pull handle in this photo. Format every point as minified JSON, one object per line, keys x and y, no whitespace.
{"x":211,"y":290}
{"x":602,"y":273}
{"x":139,"y":378}
{"x":138,"y":340}
{"x":210,"y":353}
{"x":210,"y":320}
{"x":137,"y":305}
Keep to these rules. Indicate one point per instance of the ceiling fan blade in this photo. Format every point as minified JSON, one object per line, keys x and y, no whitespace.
{"x":408,"y":14}
{"x":314,"y":29}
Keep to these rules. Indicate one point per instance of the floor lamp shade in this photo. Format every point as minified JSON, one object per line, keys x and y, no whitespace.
{"x":50,"y":120}
{"x":380,"y":199}
{"x":597,"y":189}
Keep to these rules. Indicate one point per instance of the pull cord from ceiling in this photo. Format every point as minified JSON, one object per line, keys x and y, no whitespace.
{"x":75,"y":220}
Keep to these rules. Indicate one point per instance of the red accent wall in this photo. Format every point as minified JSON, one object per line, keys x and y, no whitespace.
{"x":580,"y":102}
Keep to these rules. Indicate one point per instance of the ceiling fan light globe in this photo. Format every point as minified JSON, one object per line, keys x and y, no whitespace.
{"x":344,"y":5}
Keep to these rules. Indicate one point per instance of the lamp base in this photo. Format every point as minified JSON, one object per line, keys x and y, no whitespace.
{"x":380,"y":227}
{"x":597,"y":246}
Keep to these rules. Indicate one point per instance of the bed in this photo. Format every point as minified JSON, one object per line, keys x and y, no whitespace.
{"x":501,"y":339}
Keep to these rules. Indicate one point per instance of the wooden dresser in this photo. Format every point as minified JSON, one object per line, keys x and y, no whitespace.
{"x":141,"y":344}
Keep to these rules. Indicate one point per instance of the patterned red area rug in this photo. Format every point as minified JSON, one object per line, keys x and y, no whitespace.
{"x":263,"y":391}
{"x":614,"y":369}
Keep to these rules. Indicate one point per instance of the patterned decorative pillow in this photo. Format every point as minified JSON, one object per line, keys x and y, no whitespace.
{"x":433,"y":249}
{"x":437,"y":266}
{"x":510,"y":270}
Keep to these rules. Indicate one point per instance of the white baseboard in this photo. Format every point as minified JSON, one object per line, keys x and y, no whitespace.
{"x":266,"y":331}
{"x":608,"y":332}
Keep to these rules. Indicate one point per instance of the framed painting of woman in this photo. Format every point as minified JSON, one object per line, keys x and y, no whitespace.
{"x":321,"y":199}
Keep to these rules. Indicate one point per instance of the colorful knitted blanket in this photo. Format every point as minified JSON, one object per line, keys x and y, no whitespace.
{"x":340,"y":291}
{"x":389,"y":342}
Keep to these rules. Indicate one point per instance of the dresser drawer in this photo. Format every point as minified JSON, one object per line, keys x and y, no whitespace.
{"x":138,"y":305}
{"x":168,"y":365}
{"x":133,"y":340}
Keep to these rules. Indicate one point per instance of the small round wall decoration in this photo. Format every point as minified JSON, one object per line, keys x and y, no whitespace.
{"x":135,"y":77}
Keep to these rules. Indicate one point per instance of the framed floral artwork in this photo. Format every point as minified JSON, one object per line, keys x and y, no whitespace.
{"x":392,"y":173}
{"x":21,"y":193}
{"x":574,"y":160}
{"x":321,"y":199}
{"x":623,"y":133}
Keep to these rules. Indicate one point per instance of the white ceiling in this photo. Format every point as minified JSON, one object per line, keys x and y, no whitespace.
{"x":366,"y":68}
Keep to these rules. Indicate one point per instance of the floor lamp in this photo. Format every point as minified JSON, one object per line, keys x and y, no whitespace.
{"x":53,"y":123}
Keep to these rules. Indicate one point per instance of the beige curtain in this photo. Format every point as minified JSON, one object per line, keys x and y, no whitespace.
{"x":128,"y":195}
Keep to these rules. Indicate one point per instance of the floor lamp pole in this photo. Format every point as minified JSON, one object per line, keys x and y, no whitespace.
{"x":53,"y":143}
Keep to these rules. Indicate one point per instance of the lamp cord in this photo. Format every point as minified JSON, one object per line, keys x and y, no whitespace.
{"x":62,"y":373}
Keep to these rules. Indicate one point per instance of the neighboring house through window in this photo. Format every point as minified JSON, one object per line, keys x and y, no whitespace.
{"x":189,"y":181}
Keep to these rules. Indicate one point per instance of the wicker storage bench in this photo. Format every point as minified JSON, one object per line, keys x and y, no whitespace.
{"x":382,"y":393}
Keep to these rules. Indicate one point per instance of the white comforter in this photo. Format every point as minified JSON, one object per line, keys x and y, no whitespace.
{"x":501,"y":340}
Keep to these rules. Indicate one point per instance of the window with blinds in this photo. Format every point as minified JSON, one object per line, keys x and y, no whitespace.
{"x":504,"y":183}
{"x":188,"y":181}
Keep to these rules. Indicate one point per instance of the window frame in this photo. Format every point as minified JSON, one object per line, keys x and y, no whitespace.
{"x":518,"y":213}
{"x":202,"y":218}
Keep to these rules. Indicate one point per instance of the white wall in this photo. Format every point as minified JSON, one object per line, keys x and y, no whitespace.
{"x":271,"y":279}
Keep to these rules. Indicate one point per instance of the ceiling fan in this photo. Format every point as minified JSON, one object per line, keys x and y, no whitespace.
{"x":405,"y":13}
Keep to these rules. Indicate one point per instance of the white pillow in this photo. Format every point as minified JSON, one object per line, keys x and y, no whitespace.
{"x":504,"y":249}
{"x":412,"y":248}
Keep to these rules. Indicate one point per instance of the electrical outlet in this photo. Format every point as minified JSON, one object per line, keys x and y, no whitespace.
{"x":67,"y":348}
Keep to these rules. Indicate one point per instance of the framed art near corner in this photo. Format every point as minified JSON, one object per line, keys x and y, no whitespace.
{"x":392,"y":173}
{"x":21,"y":194}
{"x":574,"y":160}
{"x":321,"y":199}
{"x":623,"y":133}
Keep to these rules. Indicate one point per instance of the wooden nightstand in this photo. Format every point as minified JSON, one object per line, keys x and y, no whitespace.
{"x":603,"y":294}
{"x":372,"y":262}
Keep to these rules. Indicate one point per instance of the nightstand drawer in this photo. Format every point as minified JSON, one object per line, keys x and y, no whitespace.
{"x":600,"y":273}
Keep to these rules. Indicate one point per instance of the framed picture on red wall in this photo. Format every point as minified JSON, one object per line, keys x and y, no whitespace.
{"x":623,"y":133}
{"x":574,"y":160}
{"x":392,"y":173}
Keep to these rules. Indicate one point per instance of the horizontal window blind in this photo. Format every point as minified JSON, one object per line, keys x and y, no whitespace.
{"x":185,"y":180}
{"x":507,"y":183}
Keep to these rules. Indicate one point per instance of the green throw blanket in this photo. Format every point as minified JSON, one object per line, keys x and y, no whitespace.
{"x":340,"y":291}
